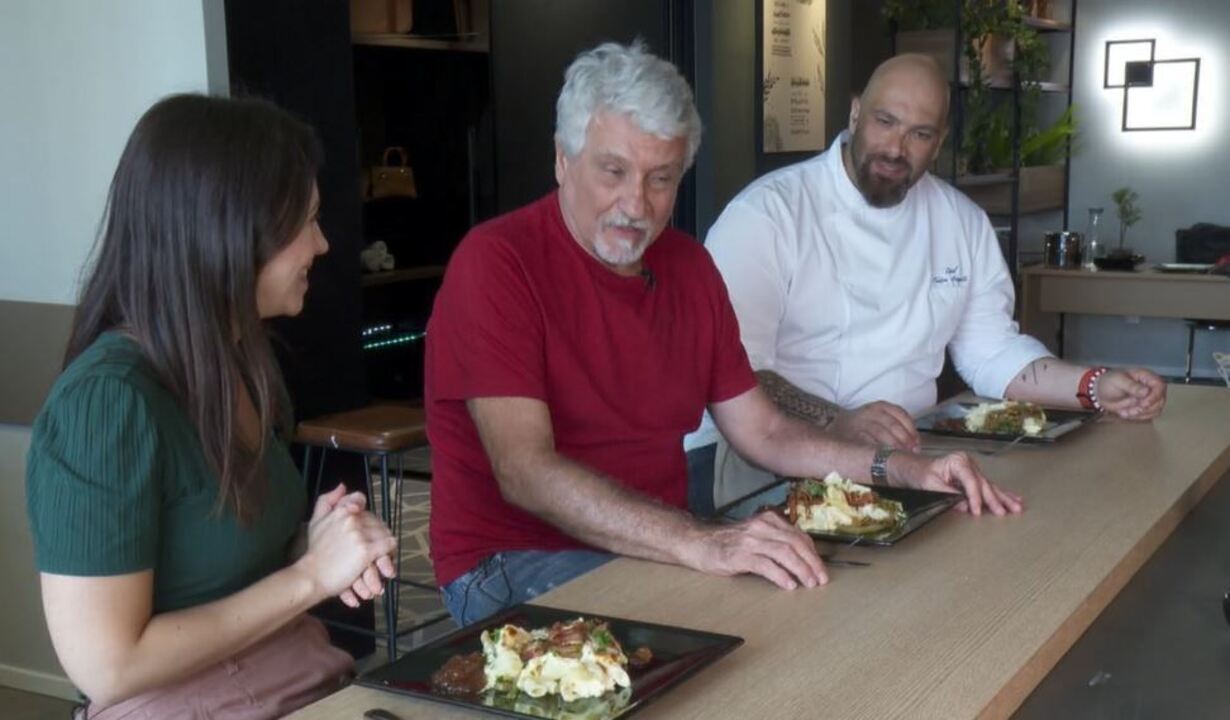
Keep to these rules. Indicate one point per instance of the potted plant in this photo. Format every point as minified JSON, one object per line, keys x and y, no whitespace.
{"x":1127,"y":206}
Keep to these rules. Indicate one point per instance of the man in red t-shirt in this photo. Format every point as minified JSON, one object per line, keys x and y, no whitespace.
{"x":574,"y":343}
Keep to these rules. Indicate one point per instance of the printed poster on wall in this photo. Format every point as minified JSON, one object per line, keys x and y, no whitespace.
{"x":794,"y":80}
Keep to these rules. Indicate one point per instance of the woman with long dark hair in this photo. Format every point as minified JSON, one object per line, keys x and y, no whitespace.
{"x":162,"y":498}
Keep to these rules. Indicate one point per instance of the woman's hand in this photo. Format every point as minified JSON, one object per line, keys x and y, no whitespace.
{"x":349,"y":548}
{"x":369,"y":584}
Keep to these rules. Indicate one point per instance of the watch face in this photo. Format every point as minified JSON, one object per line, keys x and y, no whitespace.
{"x":879,"y":464}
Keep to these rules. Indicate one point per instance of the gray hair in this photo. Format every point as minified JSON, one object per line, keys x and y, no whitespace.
{"x":629,"y":80}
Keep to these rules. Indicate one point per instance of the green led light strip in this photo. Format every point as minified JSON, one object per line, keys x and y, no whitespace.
{"x":398,"y":340}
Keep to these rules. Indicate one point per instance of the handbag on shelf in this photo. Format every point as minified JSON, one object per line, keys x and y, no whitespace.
{"x":389,"y":179}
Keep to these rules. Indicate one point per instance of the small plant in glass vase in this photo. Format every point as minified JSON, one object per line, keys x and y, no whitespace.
{"x":1127,"y":206}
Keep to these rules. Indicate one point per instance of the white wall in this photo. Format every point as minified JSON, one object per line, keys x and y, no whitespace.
{"x":1181,"y":175}
{"x":76,"y":75}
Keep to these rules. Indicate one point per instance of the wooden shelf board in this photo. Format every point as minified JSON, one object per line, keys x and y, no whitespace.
{"x":386,"y":277}
{"x":988,"y":179}
{"x":457,"y":43}
{"x":1046,"y":24}
{"x":1026,"y":208}
{"x":1041,"y":188}
{"x":1047,"y":87}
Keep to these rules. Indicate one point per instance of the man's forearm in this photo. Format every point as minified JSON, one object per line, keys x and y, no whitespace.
{"x":794,"y":447}
{"x":1047,"y":381}
{"x":595,"y":509}
{"x":795,"y":402}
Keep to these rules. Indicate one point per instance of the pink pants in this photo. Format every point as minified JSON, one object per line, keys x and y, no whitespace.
{"x":278,"y":675}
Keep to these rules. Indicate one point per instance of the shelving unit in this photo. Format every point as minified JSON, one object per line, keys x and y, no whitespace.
{"x":429,"y":94}
{"x":387,"y":277}
{"x":1046,"y":87}
{"x":1017,"y":190}
{"x":1046,"y":24}
{"x":1038,"y":189}
{"x":472,"y":42}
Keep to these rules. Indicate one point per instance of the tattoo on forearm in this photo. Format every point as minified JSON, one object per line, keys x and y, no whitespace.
{"x":1030,"y":373}
{"x":794,"y":401}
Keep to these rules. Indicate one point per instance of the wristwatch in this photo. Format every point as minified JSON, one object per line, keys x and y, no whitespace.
{"x":879,"y":465}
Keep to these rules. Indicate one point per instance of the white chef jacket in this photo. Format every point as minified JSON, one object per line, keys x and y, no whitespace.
{"x":854,"y":303}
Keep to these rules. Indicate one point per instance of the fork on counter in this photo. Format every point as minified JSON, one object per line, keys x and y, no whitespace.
{"x":941,"y":450}
{"x":830,"y":559}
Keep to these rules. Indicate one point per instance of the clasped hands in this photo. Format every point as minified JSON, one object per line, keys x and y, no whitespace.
{"x":1132,"y":393}
{"x":349,"y":549}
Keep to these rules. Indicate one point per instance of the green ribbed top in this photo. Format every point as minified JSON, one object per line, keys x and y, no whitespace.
{"x":116,"y":482}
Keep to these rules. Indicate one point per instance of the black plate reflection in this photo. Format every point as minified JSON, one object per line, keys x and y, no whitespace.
{"x":948,"y":419}
{"x":678,"y":653}
{"x":920,"y":507}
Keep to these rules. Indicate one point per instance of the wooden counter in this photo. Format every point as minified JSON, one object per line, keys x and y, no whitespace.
{"x":1047,"y":293}
{"x":960,"y":620}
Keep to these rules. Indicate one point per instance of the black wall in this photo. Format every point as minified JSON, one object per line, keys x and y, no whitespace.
{"x":298,"y":55}
{"x":727,"y":71}
{"x":532,"y":43}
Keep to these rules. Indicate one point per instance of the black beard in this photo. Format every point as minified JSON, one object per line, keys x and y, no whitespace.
{"x":878,"y":193}
{"x":881,"y":193}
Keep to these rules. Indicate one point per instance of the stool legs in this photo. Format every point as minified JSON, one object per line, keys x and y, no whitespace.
{"x":390,"y":512}
{"x":320,"y":469}
{"x":1191,"y":345}
{"x":390,"y":585}
{"x":395,"y":528}
{"x":1059,"y":335}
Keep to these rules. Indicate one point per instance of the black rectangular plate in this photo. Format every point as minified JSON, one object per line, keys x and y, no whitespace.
{"x":678,"y":653}
{"x":1058,"y":423}
{"x":920,"y":507}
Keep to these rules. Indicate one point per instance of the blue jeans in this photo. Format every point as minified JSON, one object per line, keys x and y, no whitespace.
{"x":509,"y":578}
{"x":700,"y":480}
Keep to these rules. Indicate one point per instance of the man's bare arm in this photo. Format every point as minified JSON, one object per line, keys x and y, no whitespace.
{"x":518,"y":438}
{"x":1046,"y":381}
{"x":879,"y":424}
{"x":1130,"y":393}
{"x":787,"y":446}
{"x":519,"y":441}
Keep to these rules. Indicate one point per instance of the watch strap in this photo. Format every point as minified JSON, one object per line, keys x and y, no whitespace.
{"x":879,"y":465}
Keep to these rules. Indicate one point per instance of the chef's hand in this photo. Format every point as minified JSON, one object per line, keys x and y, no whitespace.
{"x":1132,"y":393}
{"x":879,"y":424}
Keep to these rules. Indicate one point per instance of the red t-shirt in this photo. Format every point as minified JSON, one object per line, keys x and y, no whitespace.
{"x":625,"y":364}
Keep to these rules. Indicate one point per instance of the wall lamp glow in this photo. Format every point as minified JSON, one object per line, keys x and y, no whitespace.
{"x":1157,"y":94}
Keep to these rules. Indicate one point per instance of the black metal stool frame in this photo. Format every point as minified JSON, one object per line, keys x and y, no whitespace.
{"x":390,"y":513}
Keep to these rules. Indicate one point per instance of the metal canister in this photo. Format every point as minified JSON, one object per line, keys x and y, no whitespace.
{"x":1063,"y":250}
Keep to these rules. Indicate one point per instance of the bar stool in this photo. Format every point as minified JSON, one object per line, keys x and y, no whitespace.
{"x":1194,"y":324}
{"x":375,"y":433}
{"x":1201,"y":243}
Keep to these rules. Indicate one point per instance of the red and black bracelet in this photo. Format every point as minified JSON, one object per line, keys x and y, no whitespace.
{"x":1086,"y":390}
